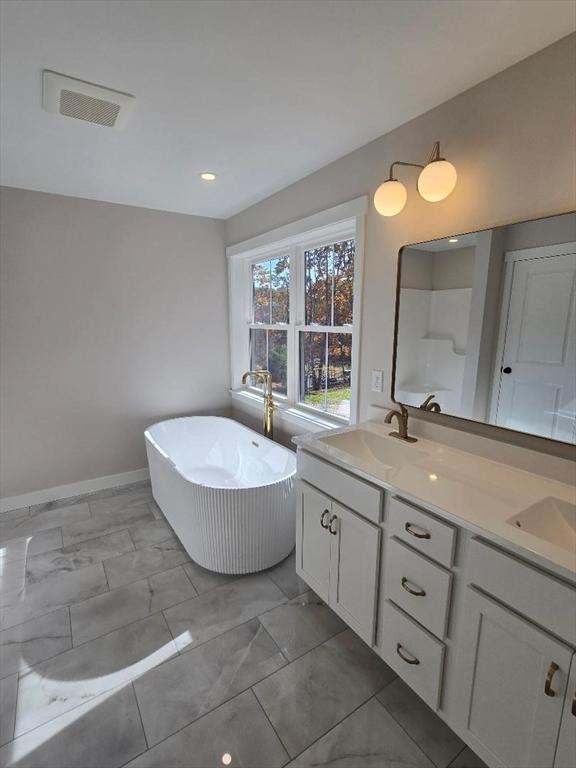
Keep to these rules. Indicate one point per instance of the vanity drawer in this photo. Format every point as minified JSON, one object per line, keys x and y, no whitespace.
{"x":539,"y":596}
{"x":407,"y":575}
{"x":412,"y":652}
{"x":348,"y":490}
{"x":422,"y":531}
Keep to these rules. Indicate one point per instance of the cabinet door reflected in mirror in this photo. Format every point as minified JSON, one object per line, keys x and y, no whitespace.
{"x":486,"y":327}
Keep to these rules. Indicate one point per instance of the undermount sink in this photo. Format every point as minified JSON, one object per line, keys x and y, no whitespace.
{"x":362,"y":444}
{"x":551,"y":519}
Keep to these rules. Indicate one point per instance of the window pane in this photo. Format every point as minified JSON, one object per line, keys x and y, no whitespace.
{"x":258,"y":349}
{"x":313,"y":368}
{"x":268,"y":351}
{"x":280,"y":276}
{"x":329,"y":284}
{"x":261,"y":292}
{"x":318,"y":286}
{"x":343,"y":282}
{"x":339,"y":371}
{"x":270,"y":290}
{"x":325,"y":371}
{"x":277,"y":351}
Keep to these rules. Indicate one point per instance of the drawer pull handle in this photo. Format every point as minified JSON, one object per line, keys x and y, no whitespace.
{"x":409,"y":659}
{"x":414,"y":590}
{"x":552,"y":669}
{"x":574,"y":704}
{"x":323,"y":517}
{"x":332,"y":530}
{"x":418,"y":533}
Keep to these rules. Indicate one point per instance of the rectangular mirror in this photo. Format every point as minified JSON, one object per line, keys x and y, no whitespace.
{"x":485,"y":327}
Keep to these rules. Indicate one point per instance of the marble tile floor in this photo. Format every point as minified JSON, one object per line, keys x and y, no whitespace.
{"x":117,"y":650}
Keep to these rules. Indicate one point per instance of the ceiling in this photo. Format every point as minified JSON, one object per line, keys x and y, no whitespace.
{"x":261,"y":92}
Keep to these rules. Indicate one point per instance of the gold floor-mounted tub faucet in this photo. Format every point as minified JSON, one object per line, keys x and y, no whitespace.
{"x":269,"y":406}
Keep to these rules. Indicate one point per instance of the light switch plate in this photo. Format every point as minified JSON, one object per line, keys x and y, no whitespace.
{"x":377,"y":381}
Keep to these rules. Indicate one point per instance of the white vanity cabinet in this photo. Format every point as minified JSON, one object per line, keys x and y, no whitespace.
{"x":516,"y":661}
{"x":514,"y":680}
{"x":484,"y":635}
{"x":313,"y":544}
{"x":566,"y":750}
{"x":338,"y":555}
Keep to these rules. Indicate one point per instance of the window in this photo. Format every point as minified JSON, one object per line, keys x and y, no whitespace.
{"x":326,"y":342}
{"x":294,"y":311}
{"x":270,"y":281}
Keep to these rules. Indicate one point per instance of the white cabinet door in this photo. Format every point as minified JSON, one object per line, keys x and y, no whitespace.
{"x":513,"y":677}
{"x":313,"y":540}
{"x":354,"y":570}
{"x":566,"y":752}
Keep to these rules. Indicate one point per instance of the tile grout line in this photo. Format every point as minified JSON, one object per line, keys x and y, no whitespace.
{"x":141,"y":720}
{"x":457,"y":755}
{"x":142,"y":618}
{"x":280,"y":651}
{"x":290,"y":758}
{"x":412,"y":739}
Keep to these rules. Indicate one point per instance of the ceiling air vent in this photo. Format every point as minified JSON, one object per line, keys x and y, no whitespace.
{"x":85,"y":101}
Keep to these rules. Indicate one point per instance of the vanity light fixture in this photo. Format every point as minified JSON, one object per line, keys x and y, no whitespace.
{"x":208,"y":176}
{"x":453,"y":240}
{"x":436,"y":181}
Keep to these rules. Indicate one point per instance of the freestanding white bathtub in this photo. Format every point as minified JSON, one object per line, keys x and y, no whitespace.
{"x":227,"y":491}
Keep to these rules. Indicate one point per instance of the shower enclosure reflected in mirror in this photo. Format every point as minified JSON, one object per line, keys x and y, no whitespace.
{"x":486,"y":327}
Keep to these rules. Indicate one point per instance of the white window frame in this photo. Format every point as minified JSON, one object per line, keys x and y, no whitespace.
{"x":346,"y":221}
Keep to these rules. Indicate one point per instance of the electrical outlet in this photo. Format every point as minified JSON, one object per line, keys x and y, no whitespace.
{"x":377,"y":381}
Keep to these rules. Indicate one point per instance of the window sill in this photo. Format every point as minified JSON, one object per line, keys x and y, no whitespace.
{"x":306,"y":420}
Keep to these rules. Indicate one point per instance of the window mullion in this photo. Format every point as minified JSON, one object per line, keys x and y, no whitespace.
{"x":295,"y":313}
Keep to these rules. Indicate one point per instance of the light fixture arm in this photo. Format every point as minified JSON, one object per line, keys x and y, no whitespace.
{"x":400,"y":162}
{"x":434,"y":155}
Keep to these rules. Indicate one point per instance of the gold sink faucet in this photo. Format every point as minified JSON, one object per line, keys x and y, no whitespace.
{"x":401,"y":417}
{"x":269,"y":407}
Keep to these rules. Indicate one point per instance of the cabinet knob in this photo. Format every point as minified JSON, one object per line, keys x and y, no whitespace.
{"x":414,"y":589}
{"x":415,"y":531}
{"x":405,"y":655}
{"x":323,"y":517}
{"x":552,"y":669}
{"x":333,"y":530}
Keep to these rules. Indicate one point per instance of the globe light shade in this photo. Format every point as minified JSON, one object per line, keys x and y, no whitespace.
{"x":390,"y":198}
{"x":437,"y":180}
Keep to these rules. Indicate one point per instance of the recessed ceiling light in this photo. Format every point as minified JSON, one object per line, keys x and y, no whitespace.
{"x":433,"y":477}
{"x":207,"y":176}
{"x":453,"y":240}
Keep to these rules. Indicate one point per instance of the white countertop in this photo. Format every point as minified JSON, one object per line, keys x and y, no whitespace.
{"x":474,"y":492}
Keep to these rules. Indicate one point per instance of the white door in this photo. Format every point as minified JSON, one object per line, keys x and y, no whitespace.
{"x":313,"y":540}
{"x":566,"y":752}
{"x":354,"y":570}
{"x":513,"y":677}
{"x":537,"y":391}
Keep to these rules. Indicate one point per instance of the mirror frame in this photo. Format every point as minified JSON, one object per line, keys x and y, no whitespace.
{"x":474,"y":426}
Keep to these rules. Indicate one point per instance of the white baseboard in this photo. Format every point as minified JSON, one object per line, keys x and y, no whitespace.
{"x":73,"y":489}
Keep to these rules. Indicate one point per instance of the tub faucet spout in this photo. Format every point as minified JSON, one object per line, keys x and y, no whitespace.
{"x":269,"y":407}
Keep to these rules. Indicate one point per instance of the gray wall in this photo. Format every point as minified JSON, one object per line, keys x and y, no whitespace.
{"x":113,"y":317}
{"x":533,"y":234}
{"x":453,"y":269}
{"x":438,"y":270}
{"x":511,"y":139}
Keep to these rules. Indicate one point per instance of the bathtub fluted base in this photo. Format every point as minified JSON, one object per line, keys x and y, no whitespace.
{"x":227,"y":530}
